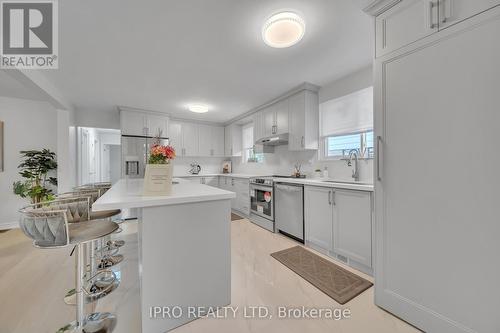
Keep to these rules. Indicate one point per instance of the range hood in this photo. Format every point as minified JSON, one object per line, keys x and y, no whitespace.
{"x":274,"y":140}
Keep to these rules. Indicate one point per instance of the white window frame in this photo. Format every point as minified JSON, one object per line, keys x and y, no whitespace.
{"x":323,"y":147}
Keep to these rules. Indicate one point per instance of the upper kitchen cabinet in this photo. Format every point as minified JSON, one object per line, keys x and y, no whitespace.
{"x":184,"y":137}
{"x":405,"y":23}
{"x":258,"y":126}
{"x":140,"y":123}
{"x":211,"y":140}
{"x":454,"y":11}
{"x":303,"y":115}
{"x":410,"y":20}
{"x":275,"y":119}
{"x":157,"y":125}
{"x":232,"y":136}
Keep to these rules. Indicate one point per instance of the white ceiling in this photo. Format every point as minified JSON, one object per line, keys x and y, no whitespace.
{"x":163,"y":54}
{"x":11,"y":86}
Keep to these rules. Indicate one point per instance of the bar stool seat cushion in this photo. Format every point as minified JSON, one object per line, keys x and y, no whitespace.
{"x":105,"y":214}
{"x":86,"y":231}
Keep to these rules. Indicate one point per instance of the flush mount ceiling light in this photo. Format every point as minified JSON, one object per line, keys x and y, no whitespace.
{"x":198,"y":108}
{"x":283,"y":30}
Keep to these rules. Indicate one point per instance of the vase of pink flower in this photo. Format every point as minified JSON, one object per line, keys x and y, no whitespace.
{"x":159,"y":170}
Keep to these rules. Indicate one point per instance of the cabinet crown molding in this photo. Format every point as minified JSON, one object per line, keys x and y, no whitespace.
{"x":377,"y":7}
{"x":132,"y":109}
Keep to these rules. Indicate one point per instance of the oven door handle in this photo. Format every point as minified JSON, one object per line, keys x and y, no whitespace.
{"x":261,"y":188}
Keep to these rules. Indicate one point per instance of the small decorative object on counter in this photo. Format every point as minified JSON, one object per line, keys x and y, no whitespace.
{"x":325,"y":173}
{"x":159,"y":170}
{"x":318,"y":173}
{"x":226,"y":167}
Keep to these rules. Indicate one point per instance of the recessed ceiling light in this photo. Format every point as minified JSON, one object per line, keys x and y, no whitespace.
{"x":283,"y":30}
{"x":198,"y":108}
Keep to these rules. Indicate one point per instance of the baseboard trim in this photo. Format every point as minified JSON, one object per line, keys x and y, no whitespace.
{"x":9,"y":225}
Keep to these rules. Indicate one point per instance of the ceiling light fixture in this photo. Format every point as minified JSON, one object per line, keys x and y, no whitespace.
{"x":283,"y":30}
{"x":198,"y":108}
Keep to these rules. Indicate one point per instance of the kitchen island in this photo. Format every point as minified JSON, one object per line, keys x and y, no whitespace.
{"x":184,"y":250}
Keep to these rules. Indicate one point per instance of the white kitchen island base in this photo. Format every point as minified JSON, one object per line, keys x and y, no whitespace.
{"x":184,"y":250}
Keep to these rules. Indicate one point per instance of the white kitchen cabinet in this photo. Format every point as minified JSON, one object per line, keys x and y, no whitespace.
{"x":428,"y":221}
{"x":405,"y":23}
{"x":210,"y":180}
{"x":218,"y":141}
{"x":241,"y":187}
{"x":184,"y":138}
{"x":205,"y":140}
{"x":258,"y":126}
{"x":318,"y":215}
{"x":275,"y":119}
{"x":233,"y":137}
{"x":157,"y":125}
{"x":281,"y":117}
{"x":352,"y":225}
{"x":304,"y":121}
{"x":454,"y":11}
{"x":133,"y":123}
{"x":143,"y":123}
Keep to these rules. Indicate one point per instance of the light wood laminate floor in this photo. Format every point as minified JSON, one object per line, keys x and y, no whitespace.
{"x":33,"y":282}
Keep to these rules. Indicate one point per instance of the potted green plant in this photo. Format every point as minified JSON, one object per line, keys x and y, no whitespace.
{"x":159,"y":170}
{"x":35,"y":167}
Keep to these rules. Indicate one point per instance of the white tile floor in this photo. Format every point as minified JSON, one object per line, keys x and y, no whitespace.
{"x":33,"y":282}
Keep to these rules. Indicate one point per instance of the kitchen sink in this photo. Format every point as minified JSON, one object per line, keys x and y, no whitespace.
{"x":346,"y":182}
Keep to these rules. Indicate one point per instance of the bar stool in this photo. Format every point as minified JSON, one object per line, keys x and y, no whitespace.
{"x":47,"y":224}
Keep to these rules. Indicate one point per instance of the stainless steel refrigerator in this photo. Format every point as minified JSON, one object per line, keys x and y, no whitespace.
{"x":135,"y":154}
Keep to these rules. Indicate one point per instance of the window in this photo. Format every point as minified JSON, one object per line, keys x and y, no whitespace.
{"x":341,"y":145}
{"x":346,"y":123}
{"x":249,"y":153}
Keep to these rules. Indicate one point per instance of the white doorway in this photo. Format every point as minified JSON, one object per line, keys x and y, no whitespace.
{"x":99,"y":155}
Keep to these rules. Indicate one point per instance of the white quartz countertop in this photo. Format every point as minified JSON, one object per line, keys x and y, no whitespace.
{"x":326,"y":183}
{"x":233,"y":175}
{"x":127,"y":193}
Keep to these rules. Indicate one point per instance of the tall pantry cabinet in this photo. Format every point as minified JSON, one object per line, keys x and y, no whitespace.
{"x":437,"y":121}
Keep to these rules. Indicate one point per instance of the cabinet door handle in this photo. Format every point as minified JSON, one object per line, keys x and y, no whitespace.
{"x":302,"y":142}
{"x":379,"y":156}
{"x":432,"y":25}
{"x":333,"y":198}
{"x":446,"y":9}
{"x":330,"y":198}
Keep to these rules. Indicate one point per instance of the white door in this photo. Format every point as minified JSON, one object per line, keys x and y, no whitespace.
{"x":437,"y":197}
{"x":190,"y":139}
{"x":318,"y":215}
{"x":297,"y":121}
{"x":405,"y":23}
{"x":218,"y":141}
{"x":352,"y":225}
{"x":282,"y":117}
{"x":257,"y":126}
{"x":84,"y":157}
{"x":454,"y":11}
{"x":205,"y":140}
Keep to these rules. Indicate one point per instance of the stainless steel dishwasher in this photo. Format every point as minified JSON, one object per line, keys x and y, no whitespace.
{"x":289,"y":210}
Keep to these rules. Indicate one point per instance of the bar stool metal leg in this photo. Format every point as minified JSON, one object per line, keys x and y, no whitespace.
{"x":102,"y":322}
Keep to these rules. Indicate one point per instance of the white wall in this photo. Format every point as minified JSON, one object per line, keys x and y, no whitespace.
{"x":28,"y":125}
{"x":66,"y":148}
{"x":98,"y":119}
{"x":282,"y":161}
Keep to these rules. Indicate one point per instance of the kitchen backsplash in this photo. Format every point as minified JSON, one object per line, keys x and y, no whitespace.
{"x":282,"y":162}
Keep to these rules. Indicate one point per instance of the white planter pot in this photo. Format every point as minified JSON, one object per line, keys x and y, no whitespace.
{"x":158,"y":179}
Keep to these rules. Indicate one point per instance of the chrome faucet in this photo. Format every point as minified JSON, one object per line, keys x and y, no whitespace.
{"x":355,"y":171}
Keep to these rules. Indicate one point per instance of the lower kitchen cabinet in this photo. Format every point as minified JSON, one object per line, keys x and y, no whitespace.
{"x":338,"y":222}
{"x":210,"y":180}
{"x":352,"y":227}
{"x":318,"y":214}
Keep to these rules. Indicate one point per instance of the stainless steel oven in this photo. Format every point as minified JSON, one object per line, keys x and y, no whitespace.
{"x":262,"y":202}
